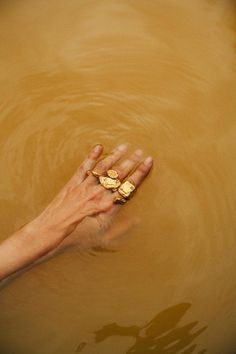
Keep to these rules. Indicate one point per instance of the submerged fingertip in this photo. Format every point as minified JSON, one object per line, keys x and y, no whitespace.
{"x":148,"y":161}
{"x":122,"y":147}
{"x":139,"y":152}
{"x":98,"y":148}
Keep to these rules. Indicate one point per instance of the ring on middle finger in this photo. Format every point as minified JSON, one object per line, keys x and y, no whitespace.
{"x":111,"y":181}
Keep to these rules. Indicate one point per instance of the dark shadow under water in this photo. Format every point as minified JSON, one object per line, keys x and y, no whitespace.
{"x":162,"y":335}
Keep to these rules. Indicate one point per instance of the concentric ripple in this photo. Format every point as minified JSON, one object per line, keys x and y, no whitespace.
{"x":155,"y":74}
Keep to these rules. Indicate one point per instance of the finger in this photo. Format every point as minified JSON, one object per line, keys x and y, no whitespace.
{"x":141,"y":172}
{"x":105,"y":164}
{"x":125,"y":167}
{"x":87,"y":164}
{"x":138,"y":175}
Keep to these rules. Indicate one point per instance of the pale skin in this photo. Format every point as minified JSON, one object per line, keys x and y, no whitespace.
{"x":82,"y":206}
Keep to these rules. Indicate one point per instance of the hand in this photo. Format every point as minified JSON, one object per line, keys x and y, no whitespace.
{"x":99,"y":231}
{"x":84,"y":197}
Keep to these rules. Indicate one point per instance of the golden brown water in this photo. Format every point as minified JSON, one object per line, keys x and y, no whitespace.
{"x":156,"y":74}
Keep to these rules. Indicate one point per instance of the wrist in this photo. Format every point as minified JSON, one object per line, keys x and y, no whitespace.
{"x":39,"y":228}
{"x":53,"y":229}
{"x":27,"y":245}
{"x":37,"y":239}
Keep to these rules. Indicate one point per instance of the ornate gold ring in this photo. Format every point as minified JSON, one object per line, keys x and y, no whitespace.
{"x":126,"y":189}
{"x":93,"y":173}
{"x":112,"y":182}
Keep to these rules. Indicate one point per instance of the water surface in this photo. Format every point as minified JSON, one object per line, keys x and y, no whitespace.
{"x":156,"y":74}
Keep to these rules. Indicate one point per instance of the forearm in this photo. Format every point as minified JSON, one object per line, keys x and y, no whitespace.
{"x":25,"y":246}
{"x":43,"y":235}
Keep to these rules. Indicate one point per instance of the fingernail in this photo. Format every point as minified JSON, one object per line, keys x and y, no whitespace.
{"x":122,"y":147}
{"x":139,"y":152}
{"x":98,"y":148}
{"x":148,"y":161}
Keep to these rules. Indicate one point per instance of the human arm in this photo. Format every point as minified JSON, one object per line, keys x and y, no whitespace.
{"x":82,"y":197}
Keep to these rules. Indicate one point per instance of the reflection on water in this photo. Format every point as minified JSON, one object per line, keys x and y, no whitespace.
{"x":156,"y":74}
{"x":163,"y":334}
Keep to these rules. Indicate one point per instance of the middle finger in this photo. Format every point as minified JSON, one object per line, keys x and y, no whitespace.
{"x":105,"y":164}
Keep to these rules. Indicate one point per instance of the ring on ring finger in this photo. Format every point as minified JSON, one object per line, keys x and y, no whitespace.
{"x":125,"y":191}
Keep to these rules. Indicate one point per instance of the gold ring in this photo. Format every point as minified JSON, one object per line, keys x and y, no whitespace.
{"x":93,"y":173}
{"x":126,"y":189}
{"x":120,"y":200}
{"x":110,"y":181}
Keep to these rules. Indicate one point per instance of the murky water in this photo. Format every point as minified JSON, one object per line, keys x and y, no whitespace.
{"x":156,"y":74}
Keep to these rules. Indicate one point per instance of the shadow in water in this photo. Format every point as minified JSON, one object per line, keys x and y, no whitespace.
{"x":162,"y":335}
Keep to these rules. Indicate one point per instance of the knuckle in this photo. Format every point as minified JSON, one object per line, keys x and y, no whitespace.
{"x":142,"y":168}
{"x":101,"y":165}
{"x":121,"y":173}
{"x":98,"y":191}
{"x":134,"y":158}
{"x":81,"y":168}
{"x":119,"y":170}
{"x":92,"y":156}
{"x":113,"y":157}
{"x":116,"y":153}
{"x":105,"y":205}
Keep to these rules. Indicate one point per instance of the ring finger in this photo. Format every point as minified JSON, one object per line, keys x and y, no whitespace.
{"x":126,"y":166}
{"x":137,"y":177}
